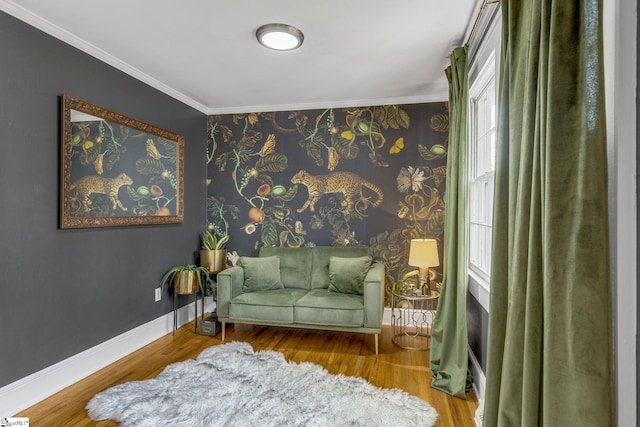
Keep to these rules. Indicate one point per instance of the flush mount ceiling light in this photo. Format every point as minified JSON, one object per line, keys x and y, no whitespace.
{"x":279,"y":36}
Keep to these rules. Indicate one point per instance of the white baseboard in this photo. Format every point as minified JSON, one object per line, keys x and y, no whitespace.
{"x":479,"y":381}
{"x":28,"y":391}
{"x":386,"y":316}
{"x":479,"y":415}
{"x":478,"y":376}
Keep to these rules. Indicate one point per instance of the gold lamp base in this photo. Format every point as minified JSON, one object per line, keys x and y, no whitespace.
{"x":425,"y":283}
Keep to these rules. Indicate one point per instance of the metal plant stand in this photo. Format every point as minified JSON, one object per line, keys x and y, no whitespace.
{"x":195,"y":304}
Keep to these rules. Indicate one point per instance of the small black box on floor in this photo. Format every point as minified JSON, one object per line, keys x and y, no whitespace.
{"x":210,"y":326}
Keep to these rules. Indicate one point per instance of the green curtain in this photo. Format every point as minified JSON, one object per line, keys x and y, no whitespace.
{"x":448,"y":356}
{"x":550,"y":357}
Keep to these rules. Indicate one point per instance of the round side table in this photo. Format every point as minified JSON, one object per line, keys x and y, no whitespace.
{"x":411,"y":319}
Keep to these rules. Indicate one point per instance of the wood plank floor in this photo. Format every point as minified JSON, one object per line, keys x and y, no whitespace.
{"x":339,"y":352}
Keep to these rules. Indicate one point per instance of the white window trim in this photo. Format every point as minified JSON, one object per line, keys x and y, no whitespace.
{"x":621,"y":84}
{"x":480,"y":174}
{"x":479,"y":288}
{"x":486,"y":54}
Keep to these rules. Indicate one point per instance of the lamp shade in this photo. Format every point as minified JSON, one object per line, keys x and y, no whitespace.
{"x":424,"y":253}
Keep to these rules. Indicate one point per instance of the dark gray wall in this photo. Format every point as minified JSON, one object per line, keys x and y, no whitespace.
{"x":477,"y":328}
{"x":64,"y":291}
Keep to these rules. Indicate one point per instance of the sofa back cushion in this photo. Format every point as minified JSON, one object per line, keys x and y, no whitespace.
{"x":295,"y":265}
{"x":321,"y":257}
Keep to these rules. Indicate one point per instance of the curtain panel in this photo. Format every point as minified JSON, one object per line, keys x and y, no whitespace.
{"x":448,"y":354}
{"x":550,"y":328}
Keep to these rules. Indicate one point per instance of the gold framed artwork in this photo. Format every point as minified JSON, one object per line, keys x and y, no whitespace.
{"x":116,"y":170}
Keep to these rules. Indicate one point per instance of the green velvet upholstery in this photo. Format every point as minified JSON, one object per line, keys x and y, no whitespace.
{"x":304,"y":301}
{"x":261,"y":274}
{"x":322,"y":307}
{"x":374,"y":296}
{"x":321,"y":255}
{"x":346,"y":275}
{"x":275,"y":305}
{"x":230,"y":282}
{"x":322,"y":298}
{"x":295,"y":265}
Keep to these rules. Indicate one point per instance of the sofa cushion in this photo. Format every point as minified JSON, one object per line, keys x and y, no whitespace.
{"x":270,"y":306}
{"x":295,"y":265}
{"x":321,"y":255}
{"x":261,"y":274}
{"x":321,"y":307}
{"x":346,"y":275}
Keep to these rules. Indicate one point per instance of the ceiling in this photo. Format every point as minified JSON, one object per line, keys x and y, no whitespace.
{"x":205,"y":53}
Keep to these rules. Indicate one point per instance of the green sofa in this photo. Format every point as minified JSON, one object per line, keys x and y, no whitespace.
{"x":311,"y":292}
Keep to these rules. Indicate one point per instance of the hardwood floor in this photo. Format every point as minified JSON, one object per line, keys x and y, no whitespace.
{"x":339,"y":352}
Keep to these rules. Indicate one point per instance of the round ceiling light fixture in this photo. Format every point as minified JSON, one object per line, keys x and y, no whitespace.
{"x":279,"y":36}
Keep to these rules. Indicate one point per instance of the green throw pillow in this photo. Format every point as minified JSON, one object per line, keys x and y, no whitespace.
{"x":347,"y":275}
{"x":261,"y":273}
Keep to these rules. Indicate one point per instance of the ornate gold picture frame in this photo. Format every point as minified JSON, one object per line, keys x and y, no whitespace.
{"x":116,"y":170}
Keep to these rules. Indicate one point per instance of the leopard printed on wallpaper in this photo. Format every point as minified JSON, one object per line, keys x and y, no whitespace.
{"x":339,"y":176}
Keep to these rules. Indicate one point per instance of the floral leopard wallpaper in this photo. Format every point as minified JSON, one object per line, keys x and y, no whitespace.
{"x":370,"y":176}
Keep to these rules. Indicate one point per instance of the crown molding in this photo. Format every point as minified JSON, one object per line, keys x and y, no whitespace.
{"x":440,"y":95}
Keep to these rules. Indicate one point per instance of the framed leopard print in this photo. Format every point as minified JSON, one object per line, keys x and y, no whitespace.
{"x":116,"y":170}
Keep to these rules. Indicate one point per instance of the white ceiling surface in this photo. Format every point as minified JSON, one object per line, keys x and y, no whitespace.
{"x":205,"y":53}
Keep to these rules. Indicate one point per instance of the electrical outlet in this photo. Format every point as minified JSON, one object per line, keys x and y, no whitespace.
{"x":158,"y":294}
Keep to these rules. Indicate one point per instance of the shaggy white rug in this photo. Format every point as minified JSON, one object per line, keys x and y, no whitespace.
{"x":231,"y":385}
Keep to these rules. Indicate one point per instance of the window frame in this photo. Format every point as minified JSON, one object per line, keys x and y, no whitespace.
{"x":483,"y":84}
{"x":484,"y":47}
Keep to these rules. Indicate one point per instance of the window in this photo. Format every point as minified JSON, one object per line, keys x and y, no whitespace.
{"x":482,"y":148}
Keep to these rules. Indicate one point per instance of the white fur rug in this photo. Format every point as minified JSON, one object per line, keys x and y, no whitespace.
{"x":231,"y":385}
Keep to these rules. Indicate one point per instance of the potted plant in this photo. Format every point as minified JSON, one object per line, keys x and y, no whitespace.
{"x":213,"y":255}
{"x":186,"y":279}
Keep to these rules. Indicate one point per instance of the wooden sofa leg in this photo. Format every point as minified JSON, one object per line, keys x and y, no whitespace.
{"x":223,"y":330}
{"x":376,"y":339}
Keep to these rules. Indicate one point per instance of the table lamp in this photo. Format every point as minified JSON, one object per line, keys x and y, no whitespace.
{"x":423,"y":254}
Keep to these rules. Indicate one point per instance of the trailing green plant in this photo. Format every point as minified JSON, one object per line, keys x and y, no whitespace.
{"x":167,"y":279}
{"x":211,"y":242}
